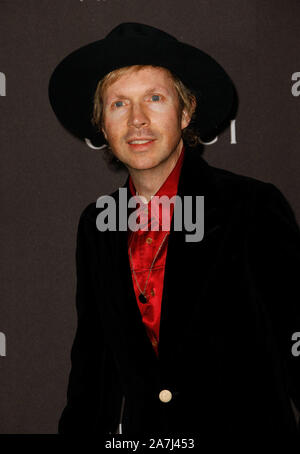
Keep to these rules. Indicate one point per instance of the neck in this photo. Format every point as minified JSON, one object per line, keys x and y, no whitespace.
{"x":147,"y":182}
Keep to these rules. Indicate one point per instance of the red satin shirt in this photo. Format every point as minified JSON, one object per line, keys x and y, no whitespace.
{"x":144,"y":245}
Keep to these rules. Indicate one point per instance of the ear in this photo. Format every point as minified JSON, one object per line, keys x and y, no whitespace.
{"x":104,"y":133}
{"x":185,"y":119}
{"x":186,"y":116}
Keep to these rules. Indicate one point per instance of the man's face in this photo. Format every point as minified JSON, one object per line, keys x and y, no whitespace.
{"x":143,"y":105}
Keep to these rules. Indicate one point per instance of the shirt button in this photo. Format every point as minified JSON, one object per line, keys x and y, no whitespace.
{"x":152,"y":292}
{"x":165,"y":395}
{"x":149,"y":240}
{"x":154,"y":343}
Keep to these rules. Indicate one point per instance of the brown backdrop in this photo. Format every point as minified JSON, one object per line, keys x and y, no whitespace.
{"x":48,"y":177}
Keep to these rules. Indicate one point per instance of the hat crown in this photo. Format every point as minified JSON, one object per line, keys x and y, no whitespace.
{"x":134,"y":30}
{"x":73,"y":82}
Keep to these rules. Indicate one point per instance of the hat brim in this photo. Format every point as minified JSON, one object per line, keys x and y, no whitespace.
{"x":74,"y":81}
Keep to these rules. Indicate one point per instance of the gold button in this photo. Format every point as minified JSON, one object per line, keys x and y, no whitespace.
{"x":154,"y":342}
{"x":165,"y":395}
{"x":152,"y":292}
{"x":149,"y":240}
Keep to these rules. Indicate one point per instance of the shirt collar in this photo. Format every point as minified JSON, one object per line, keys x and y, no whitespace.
{"x":168,"y":188}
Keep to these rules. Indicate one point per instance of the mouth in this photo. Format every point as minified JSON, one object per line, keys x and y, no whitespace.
{"x":141,"y":144}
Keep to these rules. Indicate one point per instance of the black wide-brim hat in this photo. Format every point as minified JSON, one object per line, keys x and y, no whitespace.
{"x":74,"y":81}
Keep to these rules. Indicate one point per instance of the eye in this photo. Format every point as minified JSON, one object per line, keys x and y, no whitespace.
{"x":156,"y":97}
{"x":117,"y":104}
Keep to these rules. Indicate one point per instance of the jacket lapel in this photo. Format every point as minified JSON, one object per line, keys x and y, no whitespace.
{"x":188,"y":263}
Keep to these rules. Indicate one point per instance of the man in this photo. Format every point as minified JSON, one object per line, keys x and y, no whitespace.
{"x":176,"y":336}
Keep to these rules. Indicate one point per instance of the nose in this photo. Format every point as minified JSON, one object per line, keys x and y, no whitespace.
{"x":137,"y":116}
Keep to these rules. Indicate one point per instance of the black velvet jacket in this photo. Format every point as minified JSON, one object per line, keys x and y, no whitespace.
{"x":229,"y":309}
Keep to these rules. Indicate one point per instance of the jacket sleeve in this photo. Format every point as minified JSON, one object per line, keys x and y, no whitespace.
{"x":276,"y":257}
{"x":93,"y":390}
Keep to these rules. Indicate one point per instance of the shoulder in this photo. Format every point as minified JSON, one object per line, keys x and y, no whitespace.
{"x":242,"y":186}
{"x":91,"y":211}
{"x":263,"y":198}
{"x":233,"y":187}
{"x":230,"y":180}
